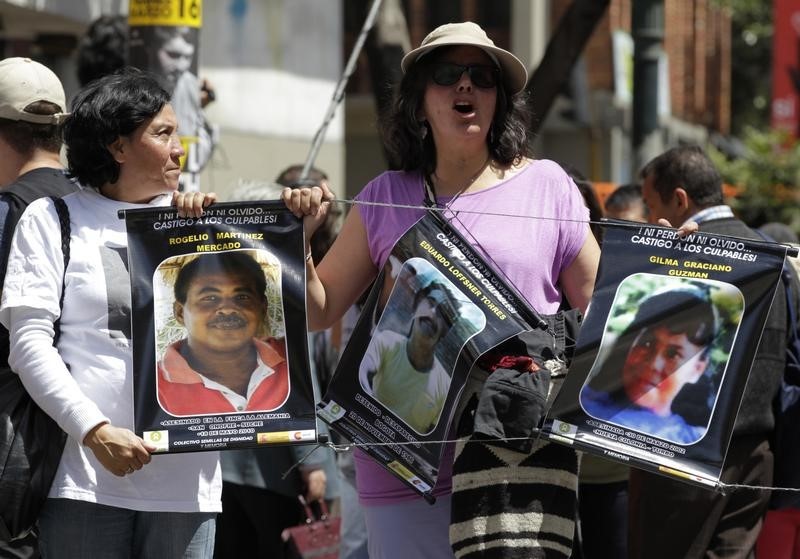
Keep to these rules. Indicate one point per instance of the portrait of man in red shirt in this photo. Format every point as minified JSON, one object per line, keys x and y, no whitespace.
{"x":223,"y":365}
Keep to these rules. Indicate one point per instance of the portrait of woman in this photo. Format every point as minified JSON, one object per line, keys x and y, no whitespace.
{"x":658,"y":374}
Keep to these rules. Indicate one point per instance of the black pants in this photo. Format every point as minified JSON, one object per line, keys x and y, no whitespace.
{"x":26,"y":548}
{"x":669,"y":519}
{"x":252,"y":520}
{"x":603,"y":513}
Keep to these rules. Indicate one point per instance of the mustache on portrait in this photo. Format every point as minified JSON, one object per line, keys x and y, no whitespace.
{"x":232,"y":320}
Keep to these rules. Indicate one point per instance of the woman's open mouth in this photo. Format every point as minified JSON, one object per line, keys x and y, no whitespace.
{"x":464,"y":108}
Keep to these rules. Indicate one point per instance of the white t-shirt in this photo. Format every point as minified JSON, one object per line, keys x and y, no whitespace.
{"x":95,"y":344}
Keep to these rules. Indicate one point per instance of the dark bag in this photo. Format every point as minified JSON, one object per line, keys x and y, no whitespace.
{"x":523,"y":381}
{"x":31,"y":443}
{"x":317,"y":538}
{"x":531,"y":480}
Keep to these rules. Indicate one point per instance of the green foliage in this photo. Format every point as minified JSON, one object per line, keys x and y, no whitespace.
{"x":768,"y":178}
{"x":629,"y":296}
{"x":751,"y":46}
{"x":730,"y":307}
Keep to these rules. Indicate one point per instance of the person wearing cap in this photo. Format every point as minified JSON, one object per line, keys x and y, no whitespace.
{"x":109,"y":496}
{"x":32,"y":104}
{"x":666,"y":346}
{"x":457,"y":132}
{"x":403,"y":372}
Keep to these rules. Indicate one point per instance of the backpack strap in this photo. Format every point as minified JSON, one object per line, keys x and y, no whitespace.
{"x":63,"y":220}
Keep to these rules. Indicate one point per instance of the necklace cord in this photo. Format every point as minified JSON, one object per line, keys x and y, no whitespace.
{"x":475,"y":176}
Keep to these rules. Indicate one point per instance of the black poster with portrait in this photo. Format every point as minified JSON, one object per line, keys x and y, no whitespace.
{"x":665,"y":350}
{"x":220,"y":350}
{"x":164,"y":39}
{"x":435,"y":307}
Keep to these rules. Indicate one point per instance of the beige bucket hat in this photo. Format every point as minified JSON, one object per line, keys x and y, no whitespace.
{"x":469,"y":33}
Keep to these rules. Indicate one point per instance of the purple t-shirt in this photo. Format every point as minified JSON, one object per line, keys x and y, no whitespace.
{"x":531,"y":226}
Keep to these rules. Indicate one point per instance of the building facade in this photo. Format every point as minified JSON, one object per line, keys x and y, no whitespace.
{"x":275,"y":65}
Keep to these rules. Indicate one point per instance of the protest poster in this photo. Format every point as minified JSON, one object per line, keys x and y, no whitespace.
{"x":220,"y":349}
{"x":435,"y":307}
{"x":164,"y":40}
{"x":665,"y":350}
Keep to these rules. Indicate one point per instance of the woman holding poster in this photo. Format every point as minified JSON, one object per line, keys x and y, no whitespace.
{"x":458,"y":132}
{"x":110,"y":497}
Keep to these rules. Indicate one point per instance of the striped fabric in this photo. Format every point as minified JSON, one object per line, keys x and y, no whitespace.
{"x":712,"y":212}
{"x":507,"y":504}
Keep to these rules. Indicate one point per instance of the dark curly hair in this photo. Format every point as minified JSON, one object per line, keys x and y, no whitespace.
{"x":106,"y":109}
{"x":104,"y":48}
{"x":400,"y":128}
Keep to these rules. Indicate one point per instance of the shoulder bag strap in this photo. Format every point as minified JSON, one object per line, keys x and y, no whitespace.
{"x":63,"y":220}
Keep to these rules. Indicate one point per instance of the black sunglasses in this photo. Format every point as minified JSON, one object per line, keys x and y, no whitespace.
{"x":482,"y":75}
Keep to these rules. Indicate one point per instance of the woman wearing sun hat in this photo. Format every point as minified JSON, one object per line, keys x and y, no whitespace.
{"x":458,"y":131}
